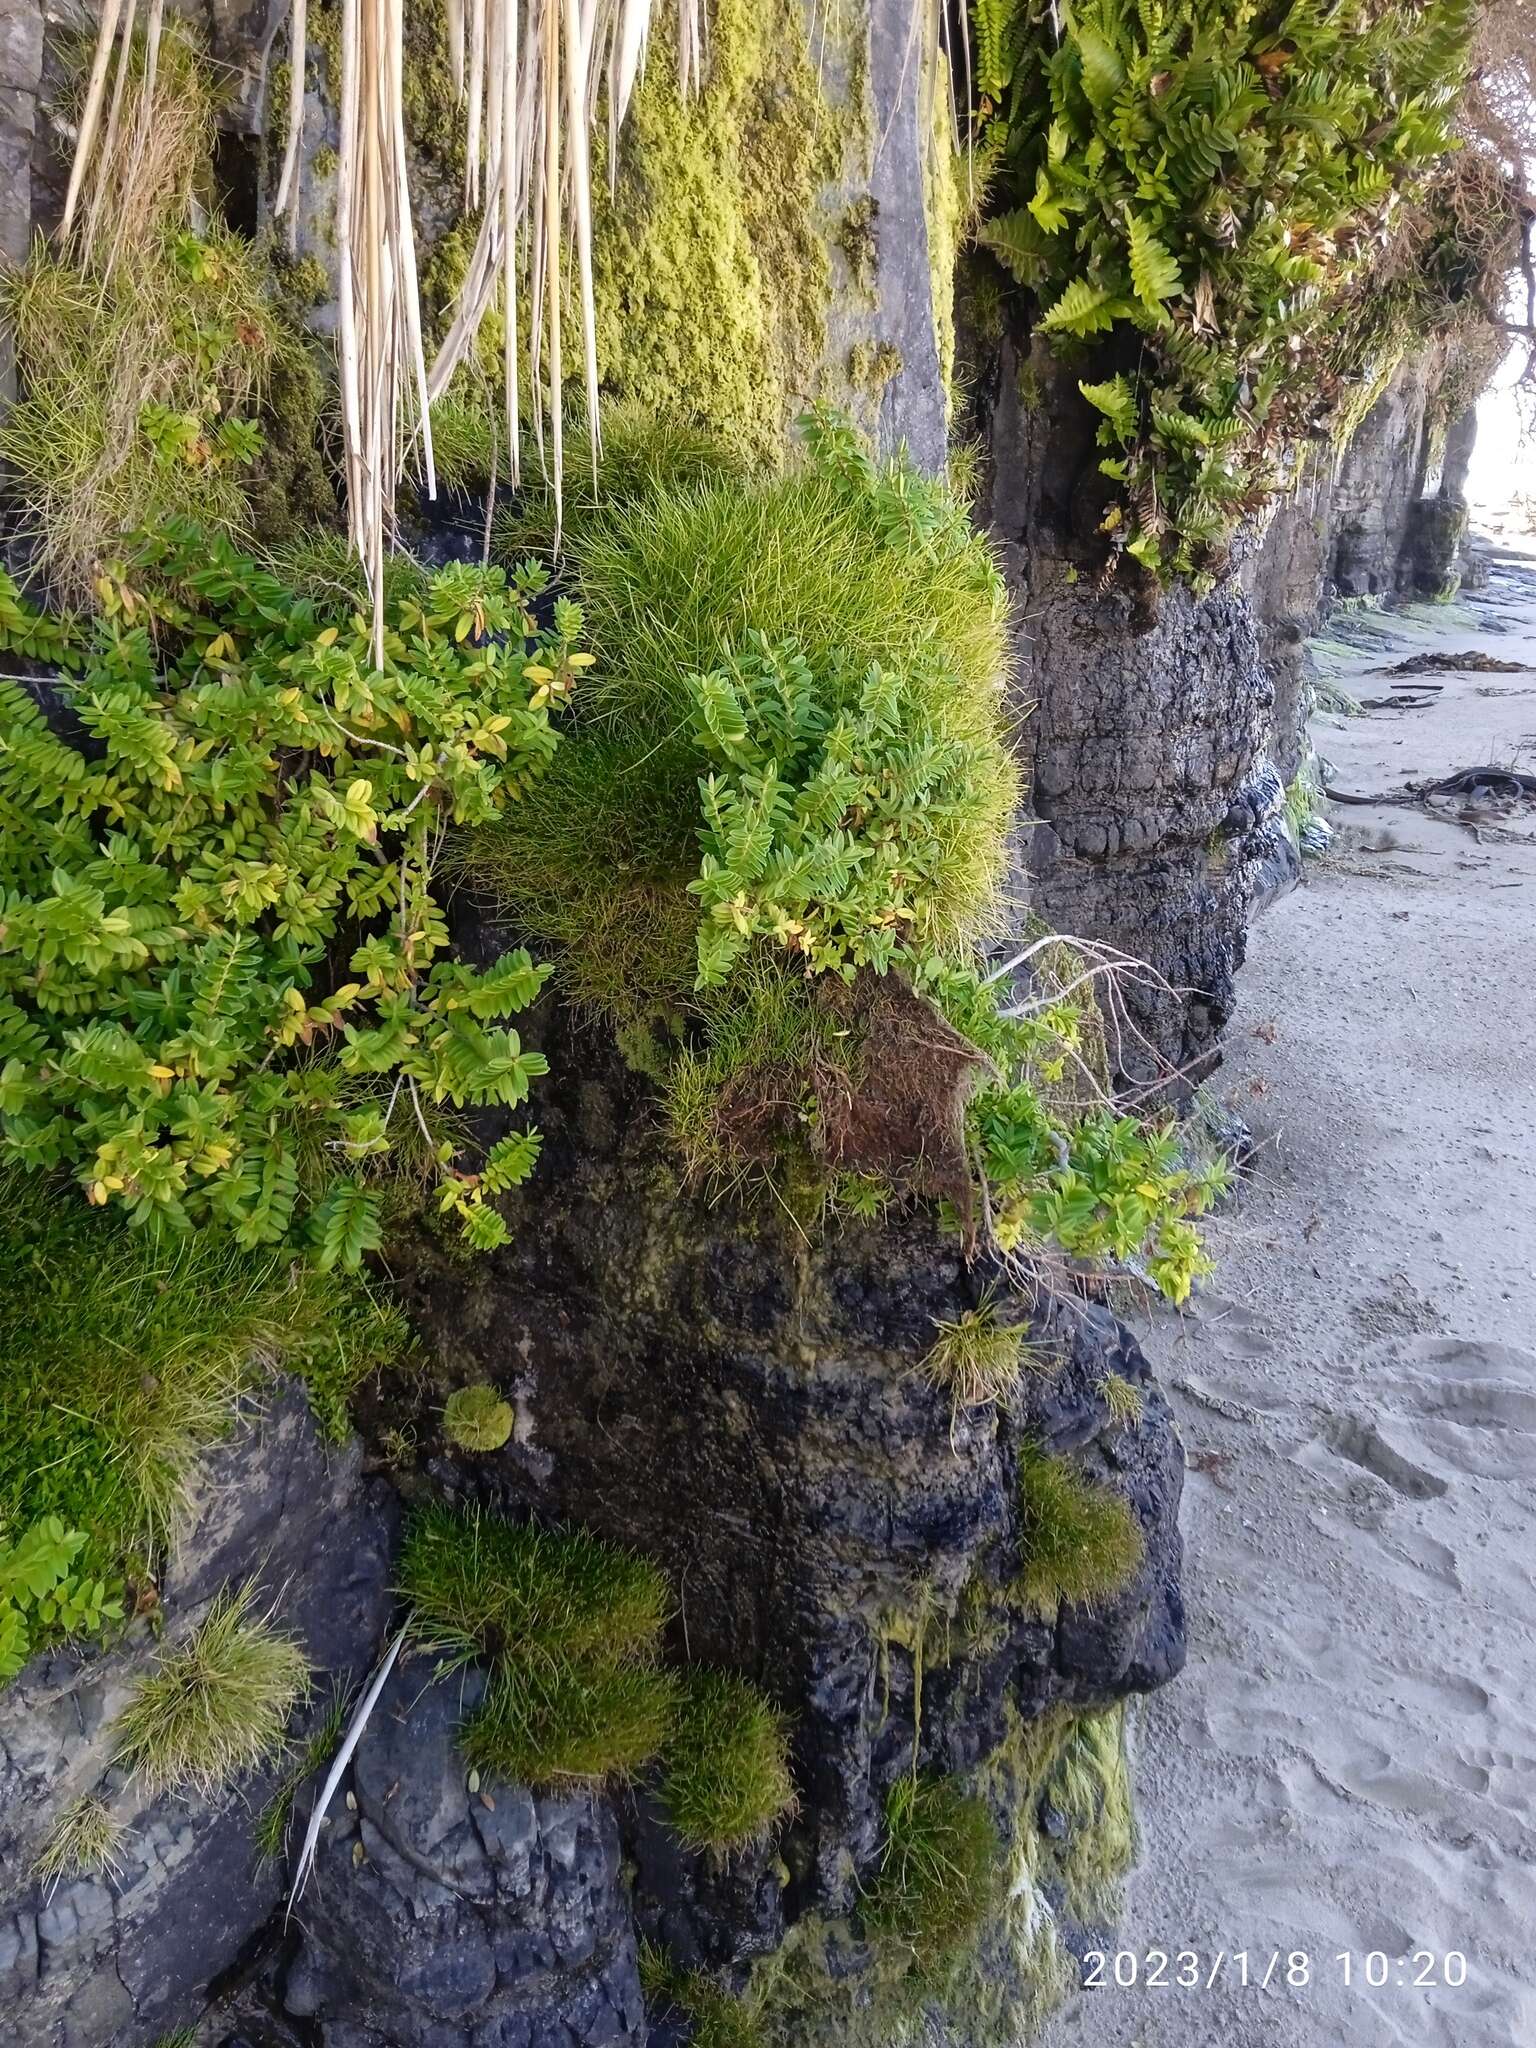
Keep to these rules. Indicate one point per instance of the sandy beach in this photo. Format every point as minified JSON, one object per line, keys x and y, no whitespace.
{"x":1347,"y":1770}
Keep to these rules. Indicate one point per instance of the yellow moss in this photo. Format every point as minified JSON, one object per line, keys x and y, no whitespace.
{"x":711,"y":262}
{"x":944,"y":206}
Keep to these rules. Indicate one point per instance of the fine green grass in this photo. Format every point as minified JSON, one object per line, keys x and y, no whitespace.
{"x":1123,"y":1398}
{"x":938,"y":1879}
{"x":727,"y":1772}
{"x":1080,"y":1542}
{"x":1090,"y":1787}
{"x":548,"y":1720}
{"x":121,"y":1354}
{"x":481,"y":1586}
{"x":716,"y":2017}
{"x":83,"y":1842}
{"x":271,"y":1833}
{"x":571,"y":1627}
{"x":675,"y":565}
{"x":215,"y":1705}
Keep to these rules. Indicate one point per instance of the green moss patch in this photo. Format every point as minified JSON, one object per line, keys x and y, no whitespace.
{"x":727,"y":1777}
{"x":711,"y":268}
{"x":1080,"y":1542}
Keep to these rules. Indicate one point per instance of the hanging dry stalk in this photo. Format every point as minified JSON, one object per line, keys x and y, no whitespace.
{"x":536,"y":74}
{"x":287,"y":200}
{"x":383,"y":370}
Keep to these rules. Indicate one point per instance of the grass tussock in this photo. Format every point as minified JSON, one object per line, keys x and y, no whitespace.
{"x":571,"y":1628}
{"x":145,"y":347}
{"x":1090,"y":1787}
{"x":122,"y":1352}
{"x":583,"y":1719}
{"x":1080,"y":1542}
{"x":83,"y":1842}
{"x":1123,"y":1398}
{"x":716,"y":2018}
{"x":273,"y":1821}
{"x":938,"y":1879}
{"x":216,"y":1705}
{"x":977,"y":1357}
{"x":727,"y":1777}
{"x":479,"y":1586}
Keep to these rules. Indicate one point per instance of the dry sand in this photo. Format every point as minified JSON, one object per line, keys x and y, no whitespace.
{"x":1349,"y":1763}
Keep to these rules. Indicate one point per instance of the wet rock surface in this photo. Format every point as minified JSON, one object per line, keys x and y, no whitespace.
{"x":746,"y":1406}
{"x":114,"y":1961}
{"x":446,"y":1917}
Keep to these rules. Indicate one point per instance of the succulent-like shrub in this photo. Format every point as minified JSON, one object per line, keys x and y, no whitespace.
{"x":1197,"y":192}
{"x":727,"y":1775}
{"x":940,"y":1872}
{"x":477,"y":1418}
{"x":227,"y":993}
{"x":1080,"y":1542}
{"x":215,"y":1705}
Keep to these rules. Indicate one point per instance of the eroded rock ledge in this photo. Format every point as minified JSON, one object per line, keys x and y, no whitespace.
{"x":697,"y":1381}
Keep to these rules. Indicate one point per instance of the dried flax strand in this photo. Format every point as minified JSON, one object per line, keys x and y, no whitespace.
{"x":383,"y":370}
{"x":287,"y":200}
{"x":90,"y":113}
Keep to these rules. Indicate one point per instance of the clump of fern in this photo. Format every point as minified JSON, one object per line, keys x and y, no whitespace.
{"x":216,"y":1705}
{"x":1080,"y":1543}
{"x":1196,"y":194}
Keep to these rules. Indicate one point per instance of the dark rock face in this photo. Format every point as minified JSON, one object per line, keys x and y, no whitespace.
{"x":1397,"y":512}
{"x":744,"y":1406}
{"x":1157,"y":816}
{"x":447,"y":1918}
{"x":112,"y":1963}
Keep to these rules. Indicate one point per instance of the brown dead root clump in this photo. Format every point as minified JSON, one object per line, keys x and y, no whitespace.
{"x":893,"y":1108}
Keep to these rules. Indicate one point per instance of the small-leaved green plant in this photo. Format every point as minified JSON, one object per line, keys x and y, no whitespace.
{"x":42,"y":1598}
{"x":227,"y":992}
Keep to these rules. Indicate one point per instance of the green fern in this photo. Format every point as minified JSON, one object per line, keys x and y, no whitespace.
{"x":1216,"y":180}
